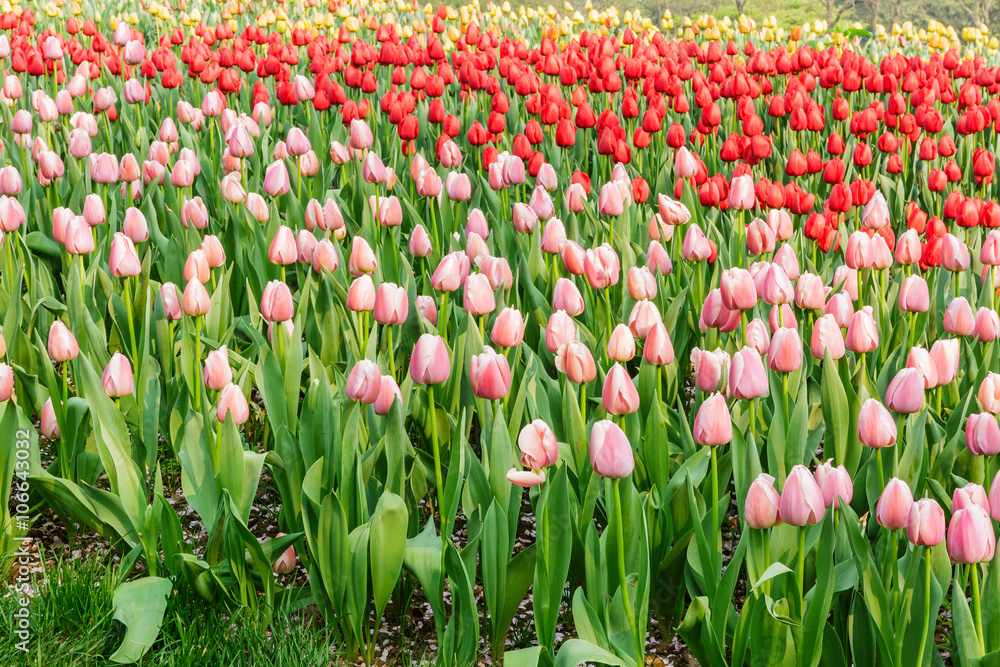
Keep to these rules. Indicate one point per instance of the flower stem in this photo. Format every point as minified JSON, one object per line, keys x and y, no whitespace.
{"x":716,"y":538}
{"x":927,"y":602}
{"x":620,"y":539}
{"x":977,"y":607}
{"x":437,"y":464}
{"x":800,"y":571}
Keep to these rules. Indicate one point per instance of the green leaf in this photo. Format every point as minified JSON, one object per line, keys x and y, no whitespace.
{"x":574,"y":652}
{"x":835,"y":411}
{"x":388,"y":543}
{"x":139,"y":605}
{"x":699,"y":635}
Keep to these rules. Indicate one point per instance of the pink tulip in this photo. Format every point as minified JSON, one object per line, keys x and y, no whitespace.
{"x":989,"y":253}
{"x":642,"y":284}
{"x":925,"y":523}
{"x":392,"y":304}
{"x":6,"y":382}
{"x":194,"y":213}
{"x":881,"y":254}
{"x":217,"y":372}
{"x":958,"y":318}
{"x":574,"y":359}
{"x":920,"y":359}
{"x":672,"y":212}
{"x":954,"y":254}
{"x":427,"y":309}
{"x":566,"y":296}
{"x":117,"y":378}
{"x":387,"y":395}
{"x":761,"y":510}
{"x":658,"y":349}
{"x":760,"y":238}
{"x":946,"y":353}
{"x":747,"y":375}
{"x":989,"y":393}
{"x":827,"y":338}
{"x":858,"y":254}
{"x":574,"y":197}
{"x":538,"y":446}
{"x":610,"y":201}
{"x":276,"y":302}
{"x":362,"y":259}
{"x":801,"y":499}
{"x":711,"y":369}
{"x":713,"y":424}
{"x":619,"y":396}
{"x":777,"y":288}
{"x":893,"y":509}
{"x":541,"y":204}
{"x":386,"y":210}
{"x":715,"y":315}
{"x":196,"y":267}
{"x":93,"y":210}
{"x":835,"y":484}
{"x":447,"y":277}
{"x":982,"y":434}
{"x":610,"y":452}
{"x":364,"y":382}
{"x":876,"y":427}
{"x":908,"y":249}
{"x":195,"y":301}
{"x":508,"y":328}
{"x":913,"y":295}
{"x":862,"y":332}
{"x":478,"y":298}
{"x":560,"y":329}
{"x":429,"y":362}
{"x":758,"y":337}
{"x":49,"y":424}
{"x":849,"y":278}
{"x":171,"y":304}
{"x":696,"y":247}
{"x":361,"y":295}
{"x":906,"y":392}
{"x":276,"y":182}
{"x":876,"y":212}
{"x":62,"y":345}
{"x":621,"y":344}
{"x":970,"y":536}
{"x":123,"y":261}
{"x":234,"y":403}
{"x":741,"y":193}
{"x":657,"y":259}
{"x":135,"y":226}
{"x":420,"y":242}
{"x":809,"y":292}
{"x":573,"y":257}
{"x":489,"y":375}
{"x":525,"y":219}
{"x":553,"y":237}
{"x":601,"y":267}
{"x":986,"y":326}
{"x":360,"y":135}
{"x":841,"y":307}
{"x":785,"y":353}
{"x":994,"y":496}
{"x":970,"y":494}
{"x":737,"y":289}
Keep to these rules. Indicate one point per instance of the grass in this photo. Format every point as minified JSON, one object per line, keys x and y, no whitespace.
{"x":72,"y":626}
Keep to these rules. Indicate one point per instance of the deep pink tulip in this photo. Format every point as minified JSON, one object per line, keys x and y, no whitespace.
{"x":489,"y":374}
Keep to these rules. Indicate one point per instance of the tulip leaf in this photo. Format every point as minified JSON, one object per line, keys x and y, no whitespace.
{"x":966,"y":639}
{"x":139,"y":605}
{"x":835,"y":414}
{"x":873,"y":591}
{"x":820,"y":596}
{"x":773,"y":570}
{"x":699,"y":634}
{"x":388,"y":543}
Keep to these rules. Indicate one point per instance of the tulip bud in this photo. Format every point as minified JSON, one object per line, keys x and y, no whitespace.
{"x":762,"y":503}
{"x":906,"y":392}
{"x":925,"y":523}
{"x":217,"y":372}
{"x":62,"y":345}
{"x":713,"y":424}
{"x":117,"y":377}
{"x":233,"y":402}
{"x":489,"y":375}
{"x":970,"y":536}
{"x":801,"y":499}
{"x":619,"y":396}
{"x":835,"y":484}
{"x":429,"y":363}
{"x":363,"y":382}
{"x":610,"y":452}
{"x":893,"y":509}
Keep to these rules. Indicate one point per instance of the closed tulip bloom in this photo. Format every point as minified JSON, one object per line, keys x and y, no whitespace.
{"x":566,"y":296}
{"x":761,"y":510}
{"x":760,"y":238}
{"x":233,"y":192}
{"x":642,"y":284}
{"x":420,"y":242}
{"x":427,"y":309}
{"x":525,"y":219}
{"x":876,"y":212}
{"x":970,"y":536}
{"x":777,"y":288}
{"x":553,"y":237}
{"x":6,"y":382}
{"x":182,"y":175}
{"x":621,"y":344}
{"x":508,"y":328}
{"x":257,"y":207}
{"x":858,"y":254}
{"x":920,"y":359}
{"x":574,"y":359}
{"x":478,"y":298}
{"x":458,"y":186}
{"x":876,"y":427}
{"x":475,"y":247}
{"x":881,"y":254}
{"x":601,"y":267}
{"x":276,"y":302}
{"x":489,"y":375}
{"x":643,"y":316}
{"x":93,"y":210}
{"x":362,"y":259}
{"x":658,"y":260}
{"x":801,"y":499}
{"x":954,"y":254}
{"x":364,"y":382}
{"x":135,"y":227}
{"x":196,"y":267}
{"x":658,"y":349}
{"x":619,"y":395}
{"x":194,"y":213}
{"x":610,"y":200}
{"x":713,"y":425}
{"x":946,"y":354}
{"x":560,"y":329}
{"x":10,"y":181}
{"x":610,"y":452}
{"x":906,"y":392}
{"x":234,"y":403}
{"x":62,"y":345}
{"x":672,"y":212}
{"x":849,"y":278}
{"x":283,"y":250}
{"x":574,"y":197}
{"x":117,"y":378}
{"x":104,"y":169}
{"x":741,"y":193}
{"x":737,"y":288}
{"x":913,"y":295}
{"x":826,"y":337}
{"x":696,"y":247}
{"x":387,"y":395}
{"x":809,"y":292}
{"x":862,"y":332}
{"x":171,"y":304}
{"x":360,"y":135}
{"x":925,"y":523}
{"x":361,"y":294}
{"x":747,"y":375}
{"x":276,"y":179}
{"x":392,"y":304}
{"x":447,"y":277}
{"x":124,"y":260}
{"x":217,"y":372}
{"x":893,"y":509}
{"x":758,"y":337}
{"x":986,"y":326}
{"x":835,"y":484}
{"x":958,"y":317}
{"x":305,"y":244}
{"x":785,"y":352}
{"x":711,"y":369}
{"x":994,"y":496}
{"x":982,"y":434}
{"x":541,"y":203}
{"x":968,"y":495}
{"x":989,"y":253}
{"x":49,"y":424}
{"x":908,"y":250}
{"x":386,"y":210}
{"x":429,"y":363}
{"x":989,"y":393}
{"x":573,"y":257}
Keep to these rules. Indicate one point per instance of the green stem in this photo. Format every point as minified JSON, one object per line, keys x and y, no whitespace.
{"x":583,"y":403}
{"x":197,"y":363}
{"x":800,"y":571}
{"x":131,"y":321}
{"x":438,"y":479}
{"x":977,"y":607}
{"x":881,"y":475}
{"x":927,"y":607}
{"x":640,"y":644}
{"x":716,"y":541}
{"x":389,"y":352}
